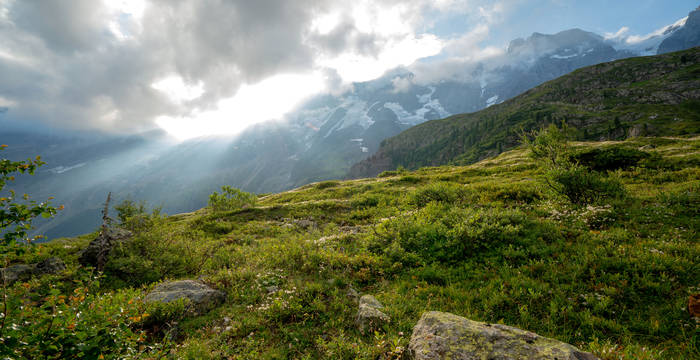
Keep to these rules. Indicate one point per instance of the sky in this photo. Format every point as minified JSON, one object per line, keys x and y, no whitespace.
{"x":201,"y":67}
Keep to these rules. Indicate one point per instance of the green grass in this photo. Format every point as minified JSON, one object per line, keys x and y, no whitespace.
{"x":487,"y":241}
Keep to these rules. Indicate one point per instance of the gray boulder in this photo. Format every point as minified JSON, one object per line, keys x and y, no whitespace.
{"x":20,"y":272}
{"x":23,"y":272}
{"x":201,"y":296}
{"x":98,"y":250}
{"x":369,"y":317}
{"x":51,"y":265}
{"x":439,"y":335}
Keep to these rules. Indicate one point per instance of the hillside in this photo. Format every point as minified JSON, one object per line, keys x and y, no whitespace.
{"x":656,"y":95}
{"x":488,"y":241}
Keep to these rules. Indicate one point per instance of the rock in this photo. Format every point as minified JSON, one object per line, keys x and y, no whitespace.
{"x":371,"y":301}
{"x":439,"y":335}
{"x":304,"y":223}
{"x":23,"y":272}
{"x":20,"y":272}
{"x":369,"y":317}
{"x":353,"y":294}
{"x":90,"y":256}
{"x":51,"y":265}
{"x":202,"y":297}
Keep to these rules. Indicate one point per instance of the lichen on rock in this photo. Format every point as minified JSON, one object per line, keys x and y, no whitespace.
{"x":439,"y":335}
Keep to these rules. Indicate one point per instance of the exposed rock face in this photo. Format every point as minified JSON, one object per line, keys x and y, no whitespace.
{"x":441,"y":335}
{"x":369,"y":317}
{"x":202,"y":297}
{"x":23,"y":272}
{"x":102,"y":246}
{"x":686,"y":37}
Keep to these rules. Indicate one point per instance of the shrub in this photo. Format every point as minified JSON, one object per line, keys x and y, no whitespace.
{"x":231,"y":199}
{"x":438,"y":192}
{"x":135,"y":217}
{"x":327,"y":184}
{"x":578,"y":184}
{"x":445,"y":234}
{"x":582,"y":186}
{"x":611,"y":158}
{"x":16,"y":215}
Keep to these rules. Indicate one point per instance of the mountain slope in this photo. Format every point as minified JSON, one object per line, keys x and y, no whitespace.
{"x":686,"y":37}
{"x":658,"y":95}
{"x":488,"y":241}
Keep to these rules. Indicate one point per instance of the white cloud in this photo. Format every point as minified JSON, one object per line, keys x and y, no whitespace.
{"x":118,"y":65}
{"x":401,"y":84}
{"x":177,"y":90}
{"x":266,"y":100}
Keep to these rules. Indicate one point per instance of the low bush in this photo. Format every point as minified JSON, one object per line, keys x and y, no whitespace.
{"x":327,"y":184}
{"x":134,"y":216}
{"x":231,"y":199}
{"x":583,"y":186}
{"x":446,"y":234}
{"x":443,"y":192}
{"x":610,"y":158}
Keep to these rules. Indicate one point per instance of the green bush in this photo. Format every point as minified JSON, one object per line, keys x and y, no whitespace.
{"x":327,"y":184}
{"x":81,"y":324}
{"x":446,"y":234}
{"x":564,"y":175}
{"x":443,"y":192}
{"x":611,"y":158}
{"x":134,"y":216}
{"x":583,"y":186}
{"x":231,"y":199}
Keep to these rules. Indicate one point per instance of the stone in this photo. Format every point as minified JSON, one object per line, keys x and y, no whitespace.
{"x":20,"y":272}
{"x":104,"y":242}
{"x":24,"y":272}
{"x":439,"y":335}
{"x":51,"y":265}
{"x":202,"y":297}
{"x":369,"y":318}
{"x":353,"y":294}
{"x":304,"y":223}
{"x":371,"y":301}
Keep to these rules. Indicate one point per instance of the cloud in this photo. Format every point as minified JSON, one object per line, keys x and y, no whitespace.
{"x":118,"y":65}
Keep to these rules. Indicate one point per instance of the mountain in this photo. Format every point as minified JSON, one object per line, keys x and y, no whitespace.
{"x":657,"y":95}
{"x":685,"y":37}
{"x":320,"y":140}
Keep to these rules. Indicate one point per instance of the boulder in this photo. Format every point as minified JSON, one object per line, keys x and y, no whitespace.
{"x":369,"y":317}
{"x":201,"y":296}
{"x":23,"y":272}
{"x":439,"y":335}
{"x":51,"y":265}
{"x":104,"y":242}
{"x":20,"y":272}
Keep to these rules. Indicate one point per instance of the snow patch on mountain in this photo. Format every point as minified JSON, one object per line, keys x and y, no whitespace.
{"x":643,"y":45}
{"x":493,"y":100}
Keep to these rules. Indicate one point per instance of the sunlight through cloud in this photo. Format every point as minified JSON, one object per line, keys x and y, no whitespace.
{"x":267,"y":100}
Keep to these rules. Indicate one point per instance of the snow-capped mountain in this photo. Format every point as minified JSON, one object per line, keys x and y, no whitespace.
{"x":321,"y":140}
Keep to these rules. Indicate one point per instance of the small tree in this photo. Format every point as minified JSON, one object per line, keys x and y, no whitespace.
{"x":231,"y":199}
{"x":16,"y":215}
{"x":578,"y":184}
